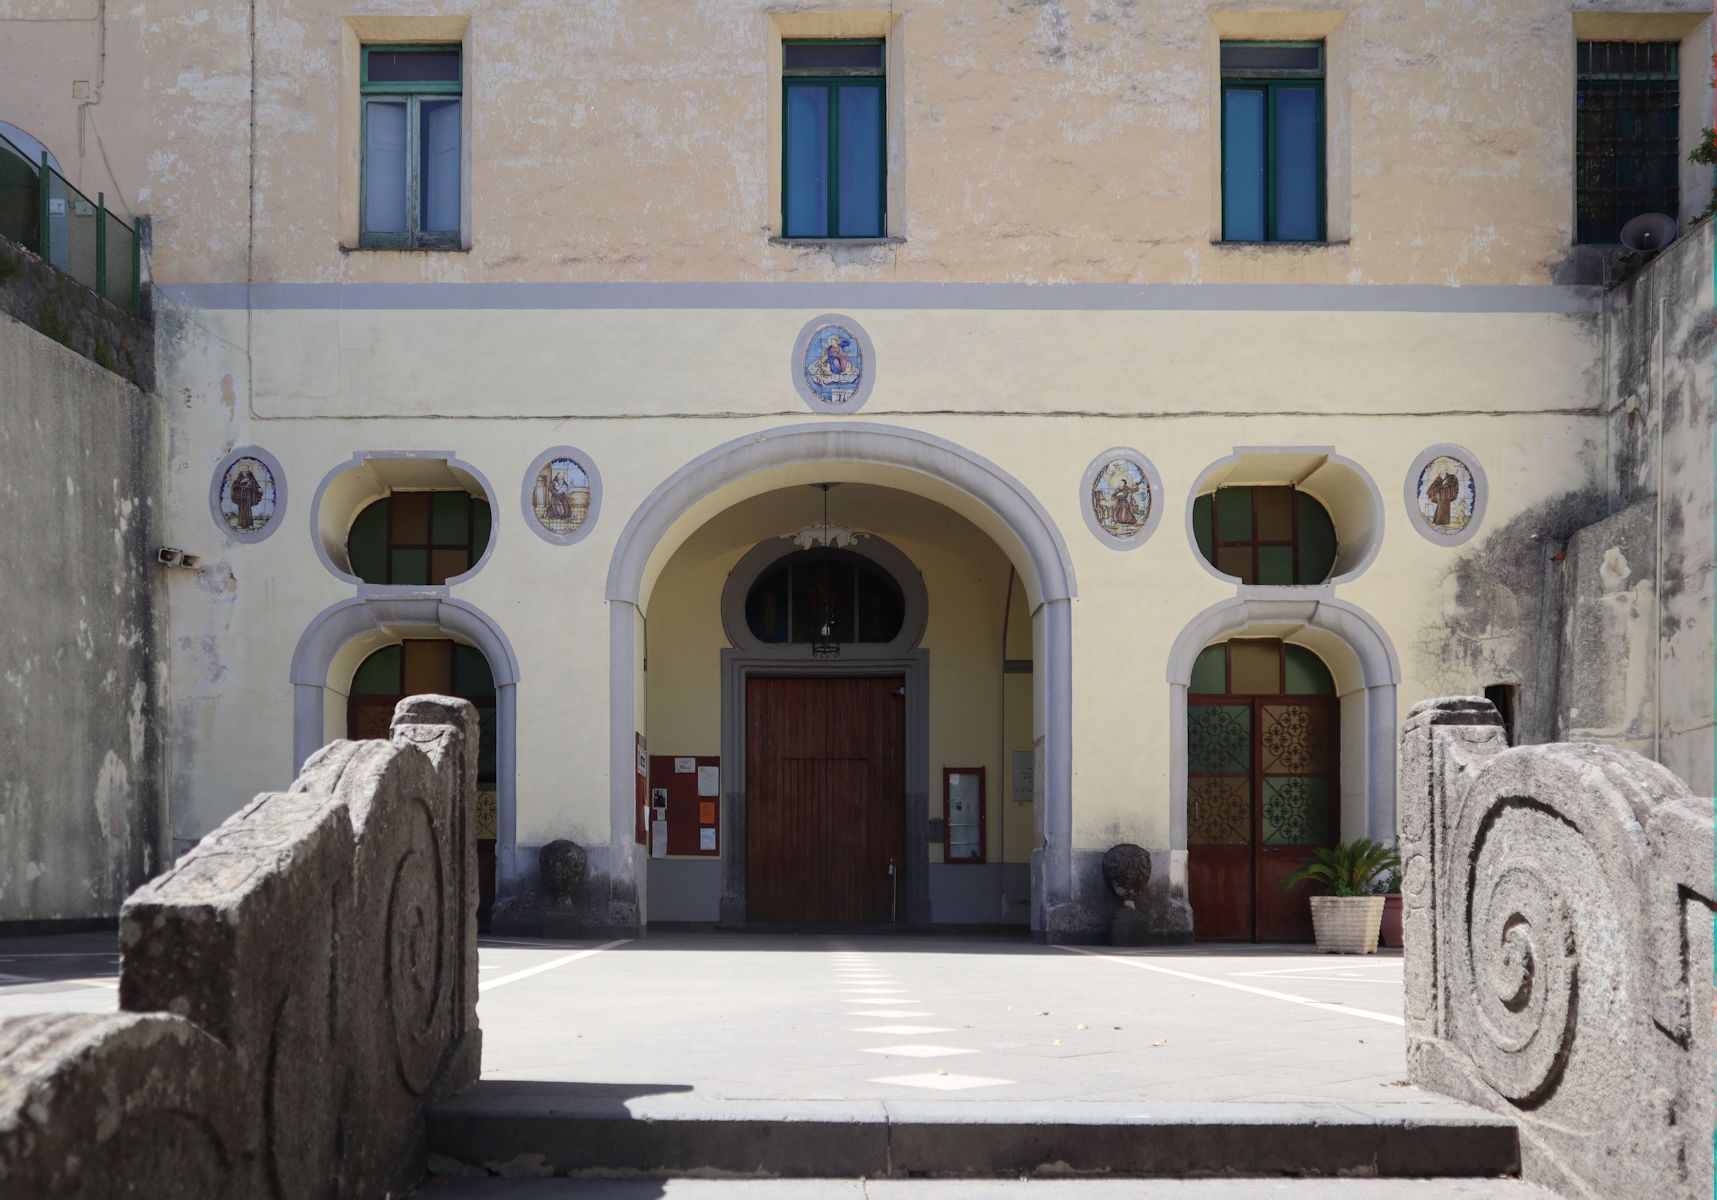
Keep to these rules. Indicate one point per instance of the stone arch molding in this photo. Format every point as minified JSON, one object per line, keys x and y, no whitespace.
{"x":1360,"y":656}
{"x":363,"y":479}
{"x":337,"y":626}
{"x":994,"y":500}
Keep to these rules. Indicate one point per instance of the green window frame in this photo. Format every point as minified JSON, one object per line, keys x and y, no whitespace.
{"x":415,"y":97}
{"x":1254,"y":161}
{"x":833,"y":82}
{"x":1627,"y":136}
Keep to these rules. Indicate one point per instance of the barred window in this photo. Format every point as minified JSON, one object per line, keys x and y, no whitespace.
{"x":1627,"y":151}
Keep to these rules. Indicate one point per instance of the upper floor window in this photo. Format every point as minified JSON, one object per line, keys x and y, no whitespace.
{"x":1272,"y":141}
{"x":1265,"y":535}
{"x":832,"y":145}
{"x":791,"y":601}
{"x":1627,"y":157}
{"x":422,"y":538}
{"x":411,"y":153}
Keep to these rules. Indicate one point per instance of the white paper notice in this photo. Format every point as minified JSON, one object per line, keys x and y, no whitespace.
{"x":658,"y":839}
{"x":709,"y":781}
{"x":706,"y":839}
{"x":685,"y":766}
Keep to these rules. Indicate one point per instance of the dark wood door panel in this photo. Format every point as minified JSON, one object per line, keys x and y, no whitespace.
{"x":825,"y":790}
{"x":1219,"y":887}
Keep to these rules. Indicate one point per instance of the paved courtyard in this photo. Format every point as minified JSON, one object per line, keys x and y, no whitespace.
{"x":755,"y":1016}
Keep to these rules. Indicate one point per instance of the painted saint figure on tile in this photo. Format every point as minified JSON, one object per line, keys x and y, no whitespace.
{"x":560,"y":498}
{"x":834,"y":364}
{"x":1121,"y":498}
{"x":247,"y":495}
{"x":1447,"y":495}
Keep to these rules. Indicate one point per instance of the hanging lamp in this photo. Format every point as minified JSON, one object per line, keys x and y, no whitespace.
{"x":827,"y":643}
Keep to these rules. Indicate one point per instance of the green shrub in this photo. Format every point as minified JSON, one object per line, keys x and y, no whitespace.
{"x":1350,"y":869}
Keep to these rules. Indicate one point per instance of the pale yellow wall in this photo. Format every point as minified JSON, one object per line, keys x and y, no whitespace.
{"x":967,"y":580}
{"x":1034,"y":142}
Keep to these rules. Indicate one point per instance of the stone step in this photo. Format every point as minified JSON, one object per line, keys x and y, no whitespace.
{"x":518,"y":1128}
{"x":986,"y":1189}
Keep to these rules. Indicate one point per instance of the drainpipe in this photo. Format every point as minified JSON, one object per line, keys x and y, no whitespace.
{"x":1657,"y":571}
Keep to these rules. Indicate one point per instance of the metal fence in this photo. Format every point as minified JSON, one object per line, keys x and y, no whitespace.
{"x":41,"y":210}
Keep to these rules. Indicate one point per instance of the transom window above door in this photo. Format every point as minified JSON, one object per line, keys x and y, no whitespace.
{"x":789,"y":602}
{"x":1265,"y":535}
{"x":832,"y":145}
{"x":421,"y":538}
{"x":412,"y":157}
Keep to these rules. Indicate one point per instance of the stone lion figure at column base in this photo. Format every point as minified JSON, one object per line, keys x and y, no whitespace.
{"x":1557,"y":913}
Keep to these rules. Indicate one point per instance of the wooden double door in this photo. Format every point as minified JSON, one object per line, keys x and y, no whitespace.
{"x":1262,"y":793}
{"x":825,"y":798}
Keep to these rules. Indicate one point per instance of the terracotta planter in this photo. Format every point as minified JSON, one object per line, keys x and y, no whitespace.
{"x":1347,"y":924}
{"x":1391,"y":934}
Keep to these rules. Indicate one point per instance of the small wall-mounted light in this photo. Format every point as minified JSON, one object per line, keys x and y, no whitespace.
{"x":168,"y":556}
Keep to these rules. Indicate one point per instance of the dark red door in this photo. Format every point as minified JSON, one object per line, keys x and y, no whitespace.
{"x":1262,"y":789}
{"x":825,"y":789}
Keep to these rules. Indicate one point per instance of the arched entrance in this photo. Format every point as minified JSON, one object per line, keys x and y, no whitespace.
{"x":1263,"y":785}
{"x":840,"y":452}
{"x":345,"y":637}
{"x":1334,"y":639}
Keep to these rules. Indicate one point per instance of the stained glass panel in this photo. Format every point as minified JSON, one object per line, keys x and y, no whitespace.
{"x":1293,"y":739}
{"x":1219,"y":738}
{"x":1219,"y":810}
{"x":1296,"y":810}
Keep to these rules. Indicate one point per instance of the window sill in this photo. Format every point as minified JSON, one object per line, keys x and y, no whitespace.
{"x":345,"y":249}
{"x":1278,"y":247}
{"x":836,"y":241}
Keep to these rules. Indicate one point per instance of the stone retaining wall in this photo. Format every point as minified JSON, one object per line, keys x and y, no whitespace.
{"x":1557,"y":910}
{"x":295,"y":991}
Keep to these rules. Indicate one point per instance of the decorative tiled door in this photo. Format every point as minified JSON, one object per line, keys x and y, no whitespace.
{"x":1262,"y":787}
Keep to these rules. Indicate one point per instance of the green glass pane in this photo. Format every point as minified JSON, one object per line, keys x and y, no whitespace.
{"x":480,"y":520}
{"x":367,"y":544}
{"x":1234,"y":514}
{"x":450,"y":519}
{"x":379,"y":674}
{"x":410,"y":566}
{"x":1317,"y":541}
{"x":1276,"y":564}
{"x":1218,"y":738}
{"x":471,"y":675}
{"x":1201,"y":528}
{"x":1307,"y":675}
{"x":1296,"y":810}
{"x":1210,"y":670}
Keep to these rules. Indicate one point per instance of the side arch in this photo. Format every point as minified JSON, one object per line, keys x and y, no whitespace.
{"x":338,"y":625}
{"x":1359,"y":654}
{"x":835,"y":451}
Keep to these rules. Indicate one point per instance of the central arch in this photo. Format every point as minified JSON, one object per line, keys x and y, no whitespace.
{"x":914,"y":461}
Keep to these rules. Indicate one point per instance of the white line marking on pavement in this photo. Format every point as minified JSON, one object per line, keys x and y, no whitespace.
{"x":906,"y":1030}
{"x":941,"y":1083}
{"x":888,"y":1012}
{"x":1240,"y":987}
{"x":486,"y":984}
{"x":919,"y":1051}
{"x":1303,"y":970}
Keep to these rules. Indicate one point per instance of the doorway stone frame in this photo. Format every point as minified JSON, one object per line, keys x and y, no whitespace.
{"x":843,"y":443}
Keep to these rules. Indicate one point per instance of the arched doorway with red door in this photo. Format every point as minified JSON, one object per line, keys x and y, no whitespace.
{"x":1263,"y":738}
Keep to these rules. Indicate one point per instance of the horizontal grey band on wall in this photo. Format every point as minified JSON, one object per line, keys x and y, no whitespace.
{"x":1026,"y":297}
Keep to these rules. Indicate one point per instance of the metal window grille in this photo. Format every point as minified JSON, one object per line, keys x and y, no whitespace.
{"x":1627,"y":135}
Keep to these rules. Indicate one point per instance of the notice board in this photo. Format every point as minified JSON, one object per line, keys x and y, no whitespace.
{"x":691,"y":786}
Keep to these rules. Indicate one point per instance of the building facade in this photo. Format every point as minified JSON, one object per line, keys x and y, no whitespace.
{"x":1202,"y":385}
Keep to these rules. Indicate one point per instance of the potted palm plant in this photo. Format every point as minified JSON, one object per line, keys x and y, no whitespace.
{"x":1390,"y":890}
{"x":1346,"y":918}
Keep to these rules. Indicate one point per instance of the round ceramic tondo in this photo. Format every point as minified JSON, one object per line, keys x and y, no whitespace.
{"x":833,"y":364}
{"x":1121,"y":495}
{"x":562,"y":495}
{"x":248,"y":494}
{"x":1445,"y":493}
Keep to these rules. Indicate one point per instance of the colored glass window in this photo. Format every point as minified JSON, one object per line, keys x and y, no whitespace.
{"x":418,"y":538}
{"x":1627,"y":131}
{"x":790,"y":602}
{"x":1272,"y":141}
{"x":833,"y":147}
{"x":1265,"y":535}
{"x":411,"y":184}
{"x":421,"y":665}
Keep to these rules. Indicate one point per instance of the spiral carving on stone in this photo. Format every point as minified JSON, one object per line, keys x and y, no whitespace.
{"x":415,"y":968}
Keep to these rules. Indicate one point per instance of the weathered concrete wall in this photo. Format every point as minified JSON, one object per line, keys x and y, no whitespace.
{"x":51,"y":302}
{"x":294,"y":993}
{"x":1558,"y":906}
{"x":82,"y":805}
